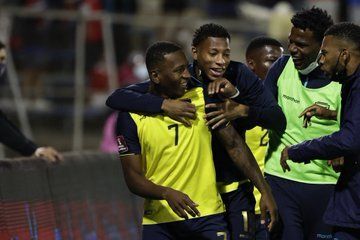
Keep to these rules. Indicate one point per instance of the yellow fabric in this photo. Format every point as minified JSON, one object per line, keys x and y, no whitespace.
{"x":257,"y":139}
{"x":229,"y":187}
{"x":184,"y":164}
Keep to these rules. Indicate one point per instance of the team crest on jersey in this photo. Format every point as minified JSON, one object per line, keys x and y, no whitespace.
{"x":122,"y":144}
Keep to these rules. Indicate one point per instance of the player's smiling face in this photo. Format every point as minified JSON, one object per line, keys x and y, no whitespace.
{"x":303,"y":47}
{"x":213,"y":56}
{"x":173,"y":75}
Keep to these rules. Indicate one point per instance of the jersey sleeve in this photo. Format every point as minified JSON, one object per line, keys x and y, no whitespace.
{"x":126,"y":135}
{"x":263,"y":108}
{"x":135,"y":98}
{"x":345,"y":142}
{"x":13,"y":138}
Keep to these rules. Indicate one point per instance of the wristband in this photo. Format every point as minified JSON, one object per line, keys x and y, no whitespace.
{"x":236,"y":94}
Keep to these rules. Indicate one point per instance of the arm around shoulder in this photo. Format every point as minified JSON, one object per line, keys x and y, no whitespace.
{"x":135,"y":98}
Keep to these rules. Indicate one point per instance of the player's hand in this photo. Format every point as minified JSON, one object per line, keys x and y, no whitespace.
{"x":48,"y":153}
{"x":284,"y":157}
{"x":180,"y":203}
{"x":179,"y":110}
{"x":337,"y":164}
{"x":223,"y":87}
{"x":225,"y":112}
{"x":268,"y":204}
{"x":319,"y":112}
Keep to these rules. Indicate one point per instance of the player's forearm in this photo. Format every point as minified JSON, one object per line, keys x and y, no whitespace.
{"x":14,"y":139}
{"x":132,"y":101}
{"x":341,"y":143}
{"x":269,"y":117}
{"x":242,"y":156}
{"x":143,"y":187}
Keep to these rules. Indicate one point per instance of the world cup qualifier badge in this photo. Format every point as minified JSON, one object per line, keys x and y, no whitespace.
{"x":122,"y":144}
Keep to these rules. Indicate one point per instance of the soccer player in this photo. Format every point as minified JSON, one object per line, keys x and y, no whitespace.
{"x":297,"y":82}
{"x":340,"y":60}
{"x":255,"y":105}
{"x":260,"y":54}
{"x":169,"y":164}
{"x":11,"y":135}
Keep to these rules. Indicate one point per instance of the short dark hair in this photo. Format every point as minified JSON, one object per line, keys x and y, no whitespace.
{"x":2,"y":45}
{"x":156,"y":52}
{"x":347,"y":31}
{"x":209,"y":30}
{"x":260,"y":42}
{"x":315,"y":19}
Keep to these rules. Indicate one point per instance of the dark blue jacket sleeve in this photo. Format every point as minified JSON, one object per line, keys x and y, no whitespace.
{"x":344,"y":142}
{"x":273,"y":75}
{"x":263,"y":108}
{"x":135,"y":98}
{"x":126,"y":135}
{"x":13,"y":138}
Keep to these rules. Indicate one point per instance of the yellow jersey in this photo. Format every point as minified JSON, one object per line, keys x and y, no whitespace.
{"x":179,"y":157}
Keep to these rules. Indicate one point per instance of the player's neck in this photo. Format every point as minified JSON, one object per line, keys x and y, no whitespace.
{"x":156,"y":90}
{"x":352,"y":67}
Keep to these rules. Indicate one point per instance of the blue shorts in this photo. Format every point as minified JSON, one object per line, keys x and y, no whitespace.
{"x":341,"y":233}
{"x":211,"y":227}
{"x":240,"y":213}
{"x":301,"y":208}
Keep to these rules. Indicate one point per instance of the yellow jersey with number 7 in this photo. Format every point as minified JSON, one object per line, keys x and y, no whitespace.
{"x":179,"y":157}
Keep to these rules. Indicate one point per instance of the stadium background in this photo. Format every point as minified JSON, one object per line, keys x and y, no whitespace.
{"x":64,"y":58}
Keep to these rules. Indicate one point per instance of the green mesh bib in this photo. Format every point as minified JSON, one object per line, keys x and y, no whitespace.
{"x":293,"y":98}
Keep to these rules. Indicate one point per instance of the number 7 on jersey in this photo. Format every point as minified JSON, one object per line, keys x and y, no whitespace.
{"x":176,"y":126}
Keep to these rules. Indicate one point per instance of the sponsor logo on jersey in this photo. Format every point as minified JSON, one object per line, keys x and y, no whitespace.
{"x":291,"y":98}
{"x":122,"y":146}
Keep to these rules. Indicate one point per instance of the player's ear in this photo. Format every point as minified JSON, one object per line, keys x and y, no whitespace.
{"x":154,"y":76}
{"x":194,"y":52}
{"x":250,"y":63}
{"x":345,"y":55}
